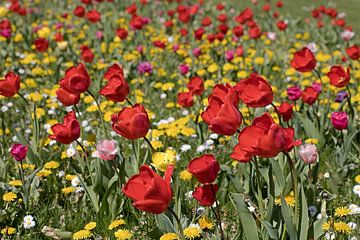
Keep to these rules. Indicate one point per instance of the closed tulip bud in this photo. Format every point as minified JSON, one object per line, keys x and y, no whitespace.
{"x":106,"y":150}
{"x":18,"y":151}
{"x":339,"y":120}
{"x":308,"y":153}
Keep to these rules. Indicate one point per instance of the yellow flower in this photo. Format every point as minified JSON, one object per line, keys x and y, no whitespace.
{"x":70,"y":177}
{"x":192,"y":232}
{"x":289,"y":199}
{"x":357,"y":179}
{"x":3,"y":12}
{"x":326,"y":226}
{"x":82,"y":234}
{"x":204,"y":223}
{"x":9,"y":197}
{"x":342,"y":227}
{"x":213,"y":68}
{"x":185,"y":175}
{"x":51,"y":165}
{"x":161,"y":160}
{"x":169,"y":236}
{"x":15,"y":183}
{"x":312,"y":141}
{"x":123,"y":234}
{"x":116,"y":223}
{"x":90,"y":226}
{"x":68,"y":190}
{"x":156,"y":144}
{"x":342,"y":211}
{"x":44,"y":173}
{"x":8,"y":231}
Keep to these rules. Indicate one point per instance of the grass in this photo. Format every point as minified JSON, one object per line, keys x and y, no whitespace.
{"x":301,"y":8}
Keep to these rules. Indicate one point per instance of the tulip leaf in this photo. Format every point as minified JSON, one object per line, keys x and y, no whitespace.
{"x":247,"y":220}
{"x":271,"y":231}
{"x":164,"y":224}
{"x":90,"y":193}
{"x":285,"y":212}
{"x":304,"y":226}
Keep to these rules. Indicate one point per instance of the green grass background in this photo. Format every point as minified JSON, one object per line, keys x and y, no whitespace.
{"x":298,"y":8}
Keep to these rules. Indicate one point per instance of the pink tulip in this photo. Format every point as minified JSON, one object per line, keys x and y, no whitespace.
{"x":106,"y":150}
{"x":18,"y":151}
{"x":308,"y":153}
{"x":339,"y":120}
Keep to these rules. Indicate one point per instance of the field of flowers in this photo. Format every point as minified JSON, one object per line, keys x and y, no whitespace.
{"x":178,"y":119}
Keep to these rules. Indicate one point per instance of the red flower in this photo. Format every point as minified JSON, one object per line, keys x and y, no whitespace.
{"x":76,"y":80}
{"x":150,"y":192}
{"x":68,"y":132}
{"x":132,"y":9}
{"x":10,"y":85}
{"x":131,"y":122}
{"x":206,"y":194}
{"x":263,"y":138}
{"x":112,"y":71}
{"x":338,"y":77}
{"x":86,"y":54}
{"x":223,"y":92}
{"x":223,"y":28}
{"x":281,"y":25}
{"x":67,"y":98}
{"x":79,"y":11}
{"x":206,"y":21}
{"x":353,"y":52}
{"x":222,"y":17}
{"x":159,"y":44}
{"x":196,"y":85}
{"x":93,"y":16}
{"x":41,"y":44}
{"x":303,"y":61}
{"x":18,"y":151}
{"x":116,"y":89}
{"x":204,"y":168}
{"x":309,"y":95}
{"x":255,"y":91}
{"x":185,"y":99}
{"x":244,"y":16}
{"x":136,"y":22}
{"x":222,"y":117}
{"x":286,"y":111}
{"x":198,"y":33}
{"x":238,"y":31}
{"x":122,"y":33}
{"x":255,"y":32}
{"x":279,"y":4}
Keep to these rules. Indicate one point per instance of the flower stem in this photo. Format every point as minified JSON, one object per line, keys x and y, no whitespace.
{"x":277,"y":112}
{"x":217,"y":213}
{"x":149,"y":143}
{"x":294,"y":180}
{"x":85,"y":159}
{"x":129,"y":102}
{"x":99,"y":111}
{"x":178,"y":223}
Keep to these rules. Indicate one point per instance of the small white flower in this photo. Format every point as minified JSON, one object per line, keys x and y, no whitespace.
{"x":200,"y":148}
{"x":171,"y":119}
{"x":4,"y":108}
{"x":29,"y":222}
{"x":189,"y":194}
{"x":10,"y":104}
{"x":79,"y":190}
{"x":70,"y":152}
{"x":75,"y":182}
{"x":163,"y":95}
{"x":312,"y":47}
{"x":352,"y":225}
{"x":330,"y":236}
{"x":209,"y":142}
{"x":327,"y":175}
{"x":84,"y":123}
{"x":28,"y":218}
{"x":356,"y":189}
{"x":185,"y":112}
{"x":355,"y":209}
{"x":61,"y":173}
{"x":185,"y":147}
{"x":214,"y":136}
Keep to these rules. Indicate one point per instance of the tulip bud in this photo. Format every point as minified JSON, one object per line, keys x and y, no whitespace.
{"x":339,"y":120}
{"x":308,"y":153}
{"x":18,"y":151}
{"x":106,"y":150}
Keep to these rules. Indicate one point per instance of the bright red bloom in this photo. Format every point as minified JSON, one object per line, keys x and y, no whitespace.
{"x":116,"y":89}
{"x":76,"y":80}
{"x":79,"y":11}
{"x":198,"y":33}
{"x":196,"y":85}
{"x":150,"y":192}
{"x":185,"y":99}
{"x":132,"y":9}
{"x":263,"y":138}
{"x":93,"y":16}
{"x":41,"y":44}
{"x":206,"y":21}
{"x":67,"y":132}
{"x":353,"y":52}
{"x":286,"y":111}
{"x":10,"y":85}
{"x":255,"y":32}
{"x":122,"y":33}
{"x":338,"y":77}
{"x":255,"y":91}
{"x":204,"y":168}
{"x":339,"y":120}
{"x":281,"y":25}
{"x":238,"y":31}
{"x":244,"y":16}
{"x":86,"y":54}
{"x":159,"y":44}
{"x":223,"y":28}
{"x":67,"y":98}
{"x":304,"y":60}
{"x":222,"y":18}
{"x":309,"y":95}
{"x":206,"y":194}
{"x":131,"y":122}
{"x":112,"y":71}
{"x":136,"y":22}
{"x":225,"y":91}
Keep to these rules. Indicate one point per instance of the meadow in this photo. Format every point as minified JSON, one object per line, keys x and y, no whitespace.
{"x":176,"y":119}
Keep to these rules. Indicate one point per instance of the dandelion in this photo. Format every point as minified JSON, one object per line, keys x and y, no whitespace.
{"x":123,"y":234}
{"x":15,"y":183}
{"x":192,"y":232}
{"x":51,"y":165}
{"x":205,"y":223}
{"x":116,"y":223}
{"x":82,"y":234}
{"x":90,"y":226}
{"x":8,"y":231}
{"x":9,"y":197}
{"x":185,"y":175}
{"x":342,"y":227}
{"x":169,"y":236}
{"x":68,"y":190}
{"x":342,"y":211}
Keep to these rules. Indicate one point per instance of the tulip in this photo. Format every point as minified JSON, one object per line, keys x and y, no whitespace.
{"x":338,"y":76}
{"x":303,"y":61}
{"x":106,"y":150}
{"x":206,"y":194}
{"x":196,"y":85}
{"x":204,"y":168}
{"x":67,"y":132}
{"x":18,"y":151}
{"x":185,"y":99}
{"x":308,"y":153}
{"x":339,"y":120}
{"x":286,"y":111}
{"x":294,"y":93}
{"x":10,"y":85}
{"x":112,"y":71}
{"x":76,"y":80}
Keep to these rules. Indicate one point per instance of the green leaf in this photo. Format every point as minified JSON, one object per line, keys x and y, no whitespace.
{"x":247,"y":219}
{"x":304,"y":226}
{"x":164,"y":224}
{"x":318,"y":231}
{"x":273,"y":234}
{"x":285,"y":212}
{"x":311,"y":130}
{"x":90,"y":193}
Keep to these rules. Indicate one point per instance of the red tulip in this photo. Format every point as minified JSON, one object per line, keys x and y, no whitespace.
{"x":67,"y":132}
{"x":116,"y":89}
{"x":286,"y":111}
{"x":131,"y":122}
{"x":304,"y":60}
{"x":353,"y":52}
{"x":309,"y":95}
{"x":223,"y":92}
{"x":255,"y":91}
{"x":196,"y":85}
{"x":281,"y":25}
{"x":206,"y":194}
{"x":185,"y":99}
{"x":338,"y":77}
{"x":86,"y":54}
{"x":238,"y":31}
{"x":149,"y":191}
{"x":10,"y":85}
{"x":79,"y":11}
{"x":339,"y":120}
{"x":93,"y":16}
{"x":41,"y":44}
{"x":115,"y":69}
{"x":122,"y":33}
{"x":67,"y":98}
{"x":204,"y":168}
{"x":76,"y":80}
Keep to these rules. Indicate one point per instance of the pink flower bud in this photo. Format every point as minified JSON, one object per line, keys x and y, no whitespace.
{"x":339,"y":120}
{"x":18,"y":151}
{"x":308,"y":153}
{"x":184,"y":69}
{"x":106,"y":150}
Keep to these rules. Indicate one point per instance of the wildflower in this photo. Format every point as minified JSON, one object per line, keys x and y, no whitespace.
{"x":169,"y":236}
{"x":356,"y":189}
{"x":342,"y":211}
{"x":357,"y":179}
{"x":82,"y":234}
{"x":123,"y":234}
{"x":205,"y":223}
{"x":15,"y":183}
{"x":68,"y":190}
{"x":116,"y":223}
{"x":342,"y":227}
{"x":163,"y":159}
{"x":90,"y":226}
{"x":8,"y":231}
{"x":192,"y":232}
{"x":9,"y":197}
{"x":28,"y":222}
{"x":185,"y":175}
{"x":51,"y":165}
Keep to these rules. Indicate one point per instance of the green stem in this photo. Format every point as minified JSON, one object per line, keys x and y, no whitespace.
{"x":100,"y":113}
{"x":149,"y":143}
{"x":86,"y":160}
{"x":218,"y":214}
{"x":259,"y":192}
{"x":178,"y":223}
{"x":294,"y":180}
{"x":277,"y":112}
